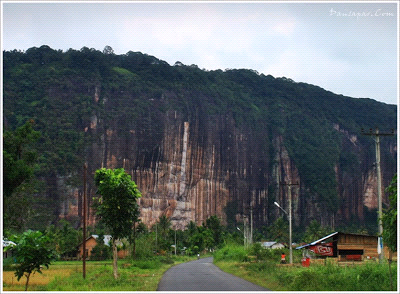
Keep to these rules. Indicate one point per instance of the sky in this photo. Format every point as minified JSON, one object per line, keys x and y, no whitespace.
{"x":349,"y":48}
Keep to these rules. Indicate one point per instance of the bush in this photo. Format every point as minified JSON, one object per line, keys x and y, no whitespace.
{"x":232,"y":252}
{"x":147,"y":264}
{"x":365,"y":277}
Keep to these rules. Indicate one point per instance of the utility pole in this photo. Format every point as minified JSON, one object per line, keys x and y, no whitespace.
{"x":175,"y":241}
{"x":289,"y":185}
{"x":84,"y":222}
{"x":251,"y":224}
{"x":376,"y":136}
{"x":246,"y":232}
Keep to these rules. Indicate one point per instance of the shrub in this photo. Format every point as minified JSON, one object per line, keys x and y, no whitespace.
{"x":232,"y":252}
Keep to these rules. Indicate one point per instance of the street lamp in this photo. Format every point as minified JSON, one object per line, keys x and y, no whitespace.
{"x":244,"y":236}
{"x":290,"y":227}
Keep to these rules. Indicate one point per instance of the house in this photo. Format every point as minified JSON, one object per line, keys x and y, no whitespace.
{"x":8,"y":252}
{"x":272,"y":245}
{"x":92,"y":241}
{"x":346,"y":247}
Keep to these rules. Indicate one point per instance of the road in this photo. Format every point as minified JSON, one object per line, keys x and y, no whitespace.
{"x":203,"y":275}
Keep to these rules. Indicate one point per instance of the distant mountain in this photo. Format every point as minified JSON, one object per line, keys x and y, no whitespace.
{"x":196,"y":142}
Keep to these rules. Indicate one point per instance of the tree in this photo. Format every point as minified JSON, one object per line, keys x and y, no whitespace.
{"x":18,"y":156}
{"x":389,"y":222}
{"x":389,"y":217}
{"x":117,"y":207}
{"x":214,"y":225}
{"x":32,"y":251}
{"x":279,"y":230}
{"x":315,"y":231}
{"x":64,"y":238}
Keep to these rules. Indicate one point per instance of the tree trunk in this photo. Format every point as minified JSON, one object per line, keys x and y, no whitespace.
{"x":115,"y":258}
{"x":27,"y":281}
{"x":134,"y":240}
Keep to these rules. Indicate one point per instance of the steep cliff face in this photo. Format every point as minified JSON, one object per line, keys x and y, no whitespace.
{"x":195,"y":165}
{"x":198,"y":143}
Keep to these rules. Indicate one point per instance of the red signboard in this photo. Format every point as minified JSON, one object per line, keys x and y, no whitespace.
{"x":322,"y":249}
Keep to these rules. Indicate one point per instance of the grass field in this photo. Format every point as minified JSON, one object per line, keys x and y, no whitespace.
{"x":141,"y":275}
{"x":267,"y":272}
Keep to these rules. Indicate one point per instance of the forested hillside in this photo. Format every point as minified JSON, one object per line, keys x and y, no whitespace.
{"x":197,"y":143}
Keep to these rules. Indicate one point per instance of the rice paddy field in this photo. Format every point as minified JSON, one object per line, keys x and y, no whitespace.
{"x":67,"y":276}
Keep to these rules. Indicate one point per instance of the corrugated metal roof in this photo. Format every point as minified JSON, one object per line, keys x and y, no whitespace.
{"x":318,"y":241}
{"x":8,"y":243}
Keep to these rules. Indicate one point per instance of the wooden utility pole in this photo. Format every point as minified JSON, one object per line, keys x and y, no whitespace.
{"x":376,"y":136}
{"x":251,"y":225}
{"x":84,"y":223}
{"x":289,"y":185}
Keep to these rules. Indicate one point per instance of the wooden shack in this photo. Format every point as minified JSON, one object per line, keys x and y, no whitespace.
{"x":91,"y":242}
{"x":346,"y":246}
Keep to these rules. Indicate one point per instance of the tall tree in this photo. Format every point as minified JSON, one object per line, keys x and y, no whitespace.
{"x":117,"y":207}
{"x":18,"y":156}
{"x":214,"y":225}
{"x":315,"y":231}
{"x":389,"y":217}
{"x":279,"y":230}
{"x":19,"y":159}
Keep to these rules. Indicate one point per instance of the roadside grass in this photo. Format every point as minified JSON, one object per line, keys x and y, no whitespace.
{"x":267,"y":272}
{"x":134,"y":275}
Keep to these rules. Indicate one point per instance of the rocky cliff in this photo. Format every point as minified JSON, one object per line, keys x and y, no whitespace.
{"x":198,"y":143}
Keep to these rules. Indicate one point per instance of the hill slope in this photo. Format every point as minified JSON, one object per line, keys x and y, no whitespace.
{"x":197,"y":142}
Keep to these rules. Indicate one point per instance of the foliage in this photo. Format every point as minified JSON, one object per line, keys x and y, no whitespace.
{"x":31,"y":252}
{"x":213,"y":224}
{"x":279,"y":230}
{"x":231,"y":252}
{"x":117,"y":206}
{"x":315,"y":231}
{"x":389,"y":217}
{"x":266,"y":272}
{"x":76,"y":96}
{"x":18,"y":156}
{"x":365,"y":277}
{"x":64,"y":239}
{"x":101,"y":251}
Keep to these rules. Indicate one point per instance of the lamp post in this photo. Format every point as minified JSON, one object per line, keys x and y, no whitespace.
{"x":175,"y":241}
{"x":290,"y":227}
{"x":244,"y":236}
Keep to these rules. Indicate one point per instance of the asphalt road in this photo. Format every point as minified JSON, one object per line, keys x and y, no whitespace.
{"x":203,"y":275}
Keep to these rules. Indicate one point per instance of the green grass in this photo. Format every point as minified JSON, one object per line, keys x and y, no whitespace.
{"x":134,"y":275}
{"x":267,"y":272}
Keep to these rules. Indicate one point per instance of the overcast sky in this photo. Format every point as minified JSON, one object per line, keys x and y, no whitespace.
{"x":348,"y":48}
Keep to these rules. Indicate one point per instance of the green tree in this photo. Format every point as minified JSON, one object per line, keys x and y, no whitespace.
{"x":32,"y":251}
{"x":279,"y":230}
{"x":18,"y":156}
{"x":214,"y":225}
{"x":389,"y":217}
{"x":101,"y":251}
{"x":64,"y":238}
{"x":315,"y":231}
{"x":117,"y":207}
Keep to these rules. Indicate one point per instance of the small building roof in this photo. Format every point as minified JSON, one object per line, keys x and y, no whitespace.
{"x":7,"y":243}
{"x":269,"y":244}
{"x":317,"y":241}
{"x":327,"y":237}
